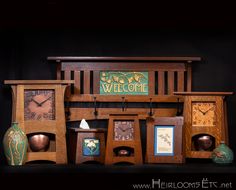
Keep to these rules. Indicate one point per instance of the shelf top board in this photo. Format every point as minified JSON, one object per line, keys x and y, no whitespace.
{"x":203,"y":93}
{"x":29,"y":82}
{"x":150,"y":59}
{"x":94,"y":130}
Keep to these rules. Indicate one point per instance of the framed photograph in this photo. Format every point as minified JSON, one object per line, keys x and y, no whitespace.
{"x":164,"y":140}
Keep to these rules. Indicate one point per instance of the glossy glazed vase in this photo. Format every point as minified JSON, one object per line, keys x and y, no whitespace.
{"x":15,"y":145}
{"x":222,"y":154}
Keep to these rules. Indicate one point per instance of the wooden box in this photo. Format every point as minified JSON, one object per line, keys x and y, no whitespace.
{"x":86,"y":145}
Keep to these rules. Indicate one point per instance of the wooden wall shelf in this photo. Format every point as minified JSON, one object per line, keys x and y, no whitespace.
{"x":84,"y":58}
{"x":165,"y":75}
{"x":127,"y":98}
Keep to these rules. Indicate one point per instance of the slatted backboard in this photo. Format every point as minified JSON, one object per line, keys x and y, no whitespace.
{"x":165,"y":75}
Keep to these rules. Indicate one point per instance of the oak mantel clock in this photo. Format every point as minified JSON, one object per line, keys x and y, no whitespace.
{"x":38,"y":107}
{"x":205,"y":120}
{"x":123,"y":139}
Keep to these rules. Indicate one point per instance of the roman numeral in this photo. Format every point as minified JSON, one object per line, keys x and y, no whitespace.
{"x":46,"y":116}
{"x":32,"y":115}
{"x":37,"y":92}
{"x":39,"y":117}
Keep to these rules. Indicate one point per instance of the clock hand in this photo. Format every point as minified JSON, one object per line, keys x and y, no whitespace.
{"x":128,"y":128}
{"x":201,"y":111}
{"x":38,"y":104}
{"x":41,"y":103}
{"x":123,"y":130}
{"x":120,"y":129}
{"x":207,"y":110}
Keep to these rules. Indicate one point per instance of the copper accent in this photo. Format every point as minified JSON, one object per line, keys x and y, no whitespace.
{"x":204,"y":143}
{"x":39,"y":142}
{"x":39,"y":105}
{"x":123,"y":153}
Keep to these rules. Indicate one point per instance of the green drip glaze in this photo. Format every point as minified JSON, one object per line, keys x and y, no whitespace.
{"x":222,"y":154}
{"x":15,"y":145}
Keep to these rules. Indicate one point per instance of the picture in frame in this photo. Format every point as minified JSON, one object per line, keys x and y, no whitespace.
{"x":164,"y":140}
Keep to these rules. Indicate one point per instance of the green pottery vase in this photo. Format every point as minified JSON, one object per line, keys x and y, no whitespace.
{"x":15,"y":145}
{"x":222,"y":154}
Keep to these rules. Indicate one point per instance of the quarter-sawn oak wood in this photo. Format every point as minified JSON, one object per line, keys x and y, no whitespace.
{"x":178,"y":156}
{"x":219,"y":131}
{"x":57,"y":151}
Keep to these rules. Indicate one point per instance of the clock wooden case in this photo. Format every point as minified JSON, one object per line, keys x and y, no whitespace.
{"x":123,"y":134}
{"x":38,"y":107}
{"x":164,"y":140}
{"x":205,"y":120}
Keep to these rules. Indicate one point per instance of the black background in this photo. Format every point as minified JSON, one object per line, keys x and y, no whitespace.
{"x":29,"y":32}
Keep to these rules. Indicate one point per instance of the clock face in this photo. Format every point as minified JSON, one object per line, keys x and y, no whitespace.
{"x":123,"y":130}
{"x":203,"y":114}
{"x":39,"y":105}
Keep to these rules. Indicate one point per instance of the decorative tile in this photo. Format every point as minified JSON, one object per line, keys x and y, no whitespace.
{"x":91,"y":147}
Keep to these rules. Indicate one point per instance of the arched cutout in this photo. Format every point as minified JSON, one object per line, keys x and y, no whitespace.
{"x":41,"y":142}
{"x":203,"y":142}
{"x":123,"y":151}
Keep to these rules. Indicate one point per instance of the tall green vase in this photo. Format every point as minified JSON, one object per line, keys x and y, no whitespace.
{"x":15,"y":145}
{"x":222,"y":154}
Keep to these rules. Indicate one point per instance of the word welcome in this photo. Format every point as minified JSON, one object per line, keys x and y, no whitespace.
{"x":124,"y":88}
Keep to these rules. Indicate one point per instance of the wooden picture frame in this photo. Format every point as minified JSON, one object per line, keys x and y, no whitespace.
{"x":164,"y":140}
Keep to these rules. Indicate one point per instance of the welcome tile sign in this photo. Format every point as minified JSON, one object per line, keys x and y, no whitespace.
{"x":123,"y":83}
